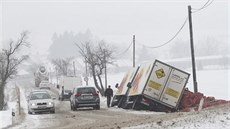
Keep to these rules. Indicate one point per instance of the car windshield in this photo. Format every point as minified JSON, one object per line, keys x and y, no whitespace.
{"x":86,"y":90}
{"x":35,"y":96}
{"x":67,"y":91}
{"x":44,"y":84}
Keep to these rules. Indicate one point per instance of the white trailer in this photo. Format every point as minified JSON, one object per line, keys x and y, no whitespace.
{"x":158,"y":86}
{"x":67,"y":83}
{"x":123,"y":87}
{"x":166,"y":84}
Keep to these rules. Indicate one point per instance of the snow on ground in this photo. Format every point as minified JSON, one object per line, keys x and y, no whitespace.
{"x":206,"y":119}
{"x":5,"y":118}
{"x":212,"y":83}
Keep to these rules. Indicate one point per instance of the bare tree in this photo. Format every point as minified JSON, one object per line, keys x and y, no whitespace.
{"x":9,"y":63}
{"x":62,"y":65}
{"x":96,"y":57}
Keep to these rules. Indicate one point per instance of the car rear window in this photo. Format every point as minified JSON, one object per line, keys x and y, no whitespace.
{"x":86,"y":90}
{"x":67,"y":91}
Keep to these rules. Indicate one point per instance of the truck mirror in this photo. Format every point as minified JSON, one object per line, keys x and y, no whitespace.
{"x":116,"y":85}
{"x":13,"y":113}
{"x":129,"y":85}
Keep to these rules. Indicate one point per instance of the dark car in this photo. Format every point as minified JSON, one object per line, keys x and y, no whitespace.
{"x":84,"y":97}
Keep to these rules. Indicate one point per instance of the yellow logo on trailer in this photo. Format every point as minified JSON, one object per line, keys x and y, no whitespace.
{"x":154,"y":85}
{"x":160,"y":73}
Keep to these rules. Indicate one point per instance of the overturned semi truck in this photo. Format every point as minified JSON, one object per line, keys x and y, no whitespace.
{"x":156,"y":86}
{"x":123,"y":89}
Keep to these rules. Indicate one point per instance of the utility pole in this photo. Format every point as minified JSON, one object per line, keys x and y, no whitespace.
{"x":192,"y":49}
{"x":86,"y":74}
{"x":74,"y":71}
{"x":133,"y":50}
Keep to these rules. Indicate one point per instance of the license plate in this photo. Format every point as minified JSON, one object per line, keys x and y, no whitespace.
{"x":88,"y":97}
{"x":41,"y":106}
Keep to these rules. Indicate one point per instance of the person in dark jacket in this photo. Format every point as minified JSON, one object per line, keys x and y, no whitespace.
{"x":108,"y":94}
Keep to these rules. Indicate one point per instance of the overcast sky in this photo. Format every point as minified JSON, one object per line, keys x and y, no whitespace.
{"x":152,"y":21}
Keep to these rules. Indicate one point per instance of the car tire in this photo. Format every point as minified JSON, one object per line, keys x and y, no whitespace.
{"x":71,"y":106}
{"x":53,"y":111}
{"x":96,"y":107}
{"x":29,"y":112}
{"x":74,"y":108}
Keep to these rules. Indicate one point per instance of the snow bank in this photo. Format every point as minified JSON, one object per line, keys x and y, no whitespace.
{"x":5,"y":118}
{"x":194,"y":120}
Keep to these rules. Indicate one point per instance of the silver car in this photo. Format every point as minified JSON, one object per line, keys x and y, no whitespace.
{"x":40,"y":101}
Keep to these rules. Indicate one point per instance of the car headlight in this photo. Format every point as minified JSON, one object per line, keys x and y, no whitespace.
{"x":33,"y":104}
{"x":50,"y":103}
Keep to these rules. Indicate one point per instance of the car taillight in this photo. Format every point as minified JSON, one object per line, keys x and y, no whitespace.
{"x":95,"y":94}
{"x":78,"y":94}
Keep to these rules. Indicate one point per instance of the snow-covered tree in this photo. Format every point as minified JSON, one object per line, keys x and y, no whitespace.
{"x":9,"y":63}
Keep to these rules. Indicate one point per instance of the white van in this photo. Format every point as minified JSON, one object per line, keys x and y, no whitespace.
{"x":67,"y":83}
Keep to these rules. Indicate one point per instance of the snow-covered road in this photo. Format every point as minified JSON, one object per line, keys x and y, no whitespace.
{"x":215,"y":117}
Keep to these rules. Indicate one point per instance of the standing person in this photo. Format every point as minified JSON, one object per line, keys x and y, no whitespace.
{"x":108,"y":94}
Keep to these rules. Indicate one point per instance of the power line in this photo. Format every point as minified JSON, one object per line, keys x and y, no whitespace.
{"x":208,"y":3}
{"x":122,"y":53}
{"x":169,"y":39}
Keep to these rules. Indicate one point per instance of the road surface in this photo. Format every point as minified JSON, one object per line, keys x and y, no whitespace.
{"x":105,"y":118}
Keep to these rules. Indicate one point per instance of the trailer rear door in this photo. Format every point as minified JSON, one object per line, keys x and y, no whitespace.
{"x":174,"y":87}
{"x":157,"y":80}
